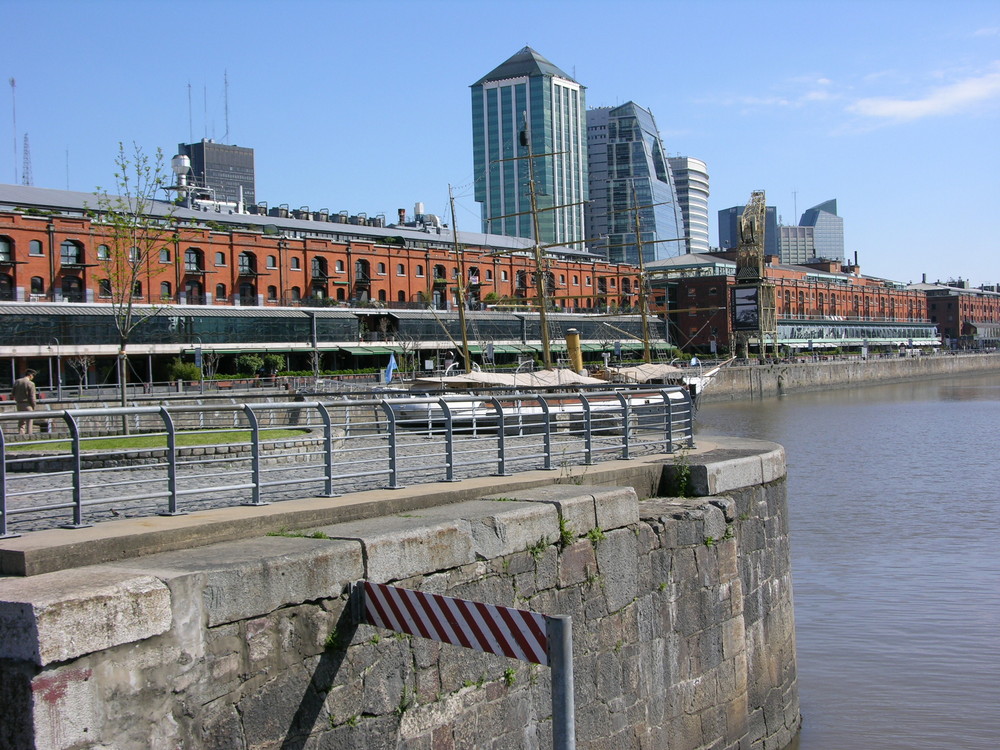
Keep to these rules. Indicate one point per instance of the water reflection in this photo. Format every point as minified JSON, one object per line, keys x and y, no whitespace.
{"x":893,"y":497}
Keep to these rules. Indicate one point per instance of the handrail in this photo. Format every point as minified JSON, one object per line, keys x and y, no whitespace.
{"x":328,"y":448}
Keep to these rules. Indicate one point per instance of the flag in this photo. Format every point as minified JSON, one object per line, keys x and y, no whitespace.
{"x":390,"y":369}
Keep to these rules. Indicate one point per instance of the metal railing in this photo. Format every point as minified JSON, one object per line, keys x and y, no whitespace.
{"x":168,"y":460}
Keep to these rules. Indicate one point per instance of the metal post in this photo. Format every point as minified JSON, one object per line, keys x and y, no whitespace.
{"x":547,"y":432}
{"x":168,"y":423}
{"x":74,"y":432}
{"x":449,"y":441}
{"x":501,"y":442}
{"x":254,"y":456}
{"x":588,"y":430}
{"x":390,"y":417}
{"x":559,"y":629}
{"x":3,"y":490}
{"x":626,"y":417}
{"x":327,"y":450}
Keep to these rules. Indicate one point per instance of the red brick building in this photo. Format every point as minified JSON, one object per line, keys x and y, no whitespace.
{"x":819,"y":305}
{"x":51,"y":250}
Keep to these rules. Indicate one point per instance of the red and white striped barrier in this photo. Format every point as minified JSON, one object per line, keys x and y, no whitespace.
{"x":516,"y":633}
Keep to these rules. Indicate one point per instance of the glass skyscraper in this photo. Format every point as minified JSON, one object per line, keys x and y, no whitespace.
{"x":828,"y":230}
{"x":628,"y":170}
{"x":691,"y":182}
{"x":529,"y":86}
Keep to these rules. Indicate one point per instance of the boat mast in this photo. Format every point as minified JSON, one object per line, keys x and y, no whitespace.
{"x":541,"y":275}
{"x":643,"y":300}
{"x":461,"y":285}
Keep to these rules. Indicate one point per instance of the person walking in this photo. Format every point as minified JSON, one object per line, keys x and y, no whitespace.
{"x":25,"y":398}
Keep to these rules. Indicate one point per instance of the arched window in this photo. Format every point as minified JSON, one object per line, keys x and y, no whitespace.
{"x":248,"y":264}
{"x":103,"y":252}
{"x":340,"y":294}
{"x":6,"y":287}
{"x":296,"y":264}
{"x":489,"y":274}
{"x":134,"y":254}
{"x":272,"y":262}
{"x":362,"y":270}
{"x":400,"y":269}
{"x":296,"y":294}
{"x":420,"y":270}
{"x":71,"y":253}
{"x":35,"y":248}
{"x":194,"y":292}
{"x":319,"y":268}
{"x":6,"y":250}
{"x":220,"y":291}
{"x":440,"y":273}
{"x":272,"y":294}
{"x":72,"y":289}
{"x":248,"y":294}
{"x":194,"y":260}
{"x":381,"y":295}
{"x":339,"y":266}
{"x":137,"y":289}
{"x":37,"y":285}
{"x":220,"y":259}
{"x":165,"y":291}
{"x":164,"y":256}
{"x":401,"y":296}
{"x":381,"y":269}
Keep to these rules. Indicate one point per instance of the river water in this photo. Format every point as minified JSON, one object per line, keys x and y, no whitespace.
{"x":894,"y":503}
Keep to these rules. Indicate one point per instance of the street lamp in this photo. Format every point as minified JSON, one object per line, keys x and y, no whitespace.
{"x":58,"y":368}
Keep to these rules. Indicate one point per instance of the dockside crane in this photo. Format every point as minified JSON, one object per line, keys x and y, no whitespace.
{"x":753,"y":305}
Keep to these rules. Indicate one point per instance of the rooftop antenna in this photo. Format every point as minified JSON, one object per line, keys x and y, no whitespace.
{"x":67,"y":169}
{"x":13,"y":112}
{"x":190,"y":126}
{"x":26,"y":178}
{"x":225,"y":100}
{"x":204,"y":94}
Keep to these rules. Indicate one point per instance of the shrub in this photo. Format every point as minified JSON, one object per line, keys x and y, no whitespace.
{"x":249,"y":364}
{"x":180,"y":370}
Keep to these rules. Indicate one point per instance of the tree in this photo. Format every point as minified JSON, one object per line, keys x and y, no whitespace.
{"x":135,"y":238}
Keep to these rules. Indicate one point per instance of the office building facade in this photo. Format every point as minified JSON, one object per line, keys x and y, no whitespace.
{"x":529,"y":86}
{"x":628,"y":172}
{"x":729,"y":229}
{"x":224,"y":170}
{"x":828,"y":230}
{"x":796,"y":244}
{"x":691,"y":183}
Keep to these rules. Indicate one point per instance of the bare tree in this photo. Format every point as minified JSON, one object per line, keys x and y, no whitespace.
{"x":135,"y":239}
{"x":81,"y":365}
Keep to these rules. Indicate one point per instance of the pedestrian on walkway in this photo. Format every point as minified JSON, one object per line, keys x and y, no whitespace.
{"x":24,"y":397}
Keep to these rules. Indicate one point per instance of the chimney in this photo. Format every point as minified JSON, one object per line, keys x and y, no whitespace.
{"x":923,"y":278}
{"x":402,"y":215}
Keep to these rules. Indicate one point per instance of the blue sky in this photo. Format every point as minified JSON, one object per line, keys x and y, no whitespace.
{"x":891,"y":107}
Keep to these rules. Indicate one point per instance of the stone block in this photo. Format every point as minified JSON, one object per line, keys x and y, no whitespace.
{"x":59,"y":616}
{"x":398,"y":547}
{"x":575,"y":503}
{"x":254,"y":577}
{"x":616,"y":507}
{"x":618,"y":568}
{"x":726,"y":475}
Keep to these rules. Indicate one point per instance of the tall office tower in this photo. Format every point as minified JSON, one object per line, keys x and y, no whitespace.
{"x":529,"y":86}
{"x":691,"y":183}
{"x":628,"y":170}
{"x":828,"y":230}
{"x":796,"y":244}
{"x":224,"y":169}
{"x":729,"y":229}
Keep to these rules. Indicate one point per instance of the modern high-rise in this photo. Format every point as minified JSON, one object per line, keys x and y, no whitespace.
{"x":729,"y":229}
{"x":796,"y":244}
{"x":691,"y":183}
{"x":528,"y":89}
{"x":223,"y":169}
{"x":828,"y":230}
{"x":628,"y":170}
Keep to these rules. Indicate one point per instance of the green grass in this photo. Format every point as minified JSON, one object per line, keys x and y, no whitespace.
{"x":141,"y":442}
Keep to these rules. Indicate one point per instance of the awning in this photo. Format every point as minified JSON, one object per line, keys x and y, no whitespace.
{"x":364,"y":351}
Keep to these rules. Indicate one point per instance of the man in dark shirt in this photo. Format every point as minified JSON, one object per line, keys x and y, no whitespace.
{"x":24,"y":397}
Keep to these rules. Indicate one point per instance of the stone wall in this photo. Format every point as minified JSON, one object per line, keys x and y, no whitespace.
{"x":682,"y":619}
{"x":762,"y":381}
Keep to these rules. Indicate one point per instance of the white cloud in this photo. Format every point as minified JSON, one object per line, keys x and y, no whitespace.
{"x":946,"y":100}
{"x":988,"y":31}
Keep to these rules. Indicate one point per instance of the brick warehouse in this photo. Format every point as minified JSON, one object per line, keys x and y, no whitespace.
{"x":50,"y":250}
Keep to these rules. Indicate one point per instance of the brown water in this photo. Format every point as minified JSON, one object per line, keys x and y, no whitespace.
{"x":894,"y":502}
